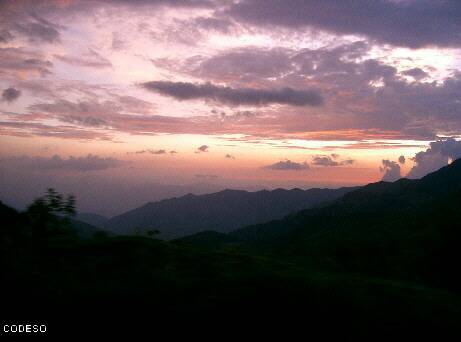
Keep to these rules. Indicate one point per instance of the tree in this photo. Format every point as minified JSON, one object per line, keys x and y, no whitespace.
{"x":50,"y":212}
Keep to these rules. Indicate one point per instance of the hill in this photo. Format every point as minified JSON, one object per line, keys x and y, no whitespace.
{"x":113,"y":285}
{"x":95,"y":220}
{"x":408,"y":229}
{"x":380,"y":262}
{"x":222,"y":211}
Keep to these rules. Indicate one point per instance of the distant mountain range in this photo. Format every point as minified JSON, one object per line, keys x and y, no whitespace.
{"x":222,"y":211}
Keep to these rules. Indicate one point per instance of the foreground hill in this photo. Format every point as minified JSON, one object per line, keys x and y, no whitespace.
{"x":379,"y":263}
{"x":221,"y":211}
{"x":113,"y":285}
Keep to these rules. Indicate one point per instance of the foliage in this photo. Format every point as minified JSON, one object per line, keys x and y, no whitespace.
{"x":383,"y":259}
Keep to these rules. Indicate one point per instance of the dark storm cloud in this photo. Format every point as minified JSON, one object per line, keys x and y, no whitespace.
{"x":82,"y":164}
{"x":10,"y":94}
{"x":330,"y":161}
{"x":436,"y":156}
{"x":391,"y":170}
{"x":287,"y":165}
{"x":412,"y":24}
{"x":231,"y":96}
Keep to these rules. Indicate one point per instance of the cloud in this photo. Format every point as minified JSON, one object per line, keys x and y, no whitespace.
{"x":206,"y":176}
{"x":37,"y":28}
{"x":391,"y":170}
{"x":173,"y":152}
{"x":152,"y":151}
{"x":81,"y":164}
{"x":246,"y":63}
{"x":412,"y":24}
{"x":157,"y":151}
{"x":19,"y":62}
{"x":416,"y":73}
{"x":287,"y":165}
{"x":213,"y":24}
{"x":229,"y":156}
{"x":438,"y":154}
{"x":203,"y":148}
{"x":170,"y":3}
{"x":28,"y":129}
{"x":10,"y":94}
{"x":242,"y":96}
{"x":90,"y":59}
{"x":402,"y":159}
{"x":117,"y":42}
{"x":329,"y":161}
{"x":5,"y":36}
{"x":368,"y":96}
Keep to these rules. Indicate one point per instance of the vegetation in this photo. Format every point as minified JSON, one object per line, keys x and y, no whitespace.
{"x":384,"y":258}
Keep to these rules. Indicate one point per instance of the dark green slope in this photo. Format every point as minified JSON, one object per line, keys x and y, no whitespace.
{"x":132,"y":284}
{"x":409,"y":229}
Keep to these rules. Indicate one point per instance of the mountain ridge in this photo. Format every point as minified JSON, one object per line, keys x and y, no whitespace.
{"x":222,"y":211}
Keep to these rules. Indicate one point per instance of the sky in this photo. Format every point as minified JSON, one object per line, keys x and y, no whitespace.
{"x":122,"y":102}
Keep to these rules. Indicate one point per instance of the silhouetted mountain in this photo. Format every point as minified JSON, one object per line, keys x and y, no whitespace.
{"x":408,"y":229}
{"x":92,"y":219}
{"x":380,"y":262}
{"x":221,"y":211}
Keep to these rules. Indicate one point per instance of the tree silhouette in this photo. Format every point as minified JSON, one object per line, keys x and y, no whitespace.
{"x":50,"y":212}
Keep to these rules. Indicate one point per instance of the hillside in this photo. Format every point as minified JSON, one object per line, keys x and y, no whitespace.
{"x":221,"y":211}
{"x":92,"y":219}
{"x":382,"y":258}
{"x":409,"y":229}
{"x":136,"y":284}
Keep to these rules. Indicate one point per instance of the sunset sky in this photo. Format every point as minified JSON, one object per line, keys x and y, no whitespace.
{"x":152,"y":99}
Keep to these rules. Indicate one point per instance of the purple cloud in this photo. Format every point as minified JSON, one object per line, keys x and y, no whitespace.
{"x":231,"y":96}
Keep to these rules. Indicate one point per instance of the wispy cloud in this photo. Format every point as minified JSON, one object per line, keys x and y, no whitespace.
{"x":81,"y":164}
